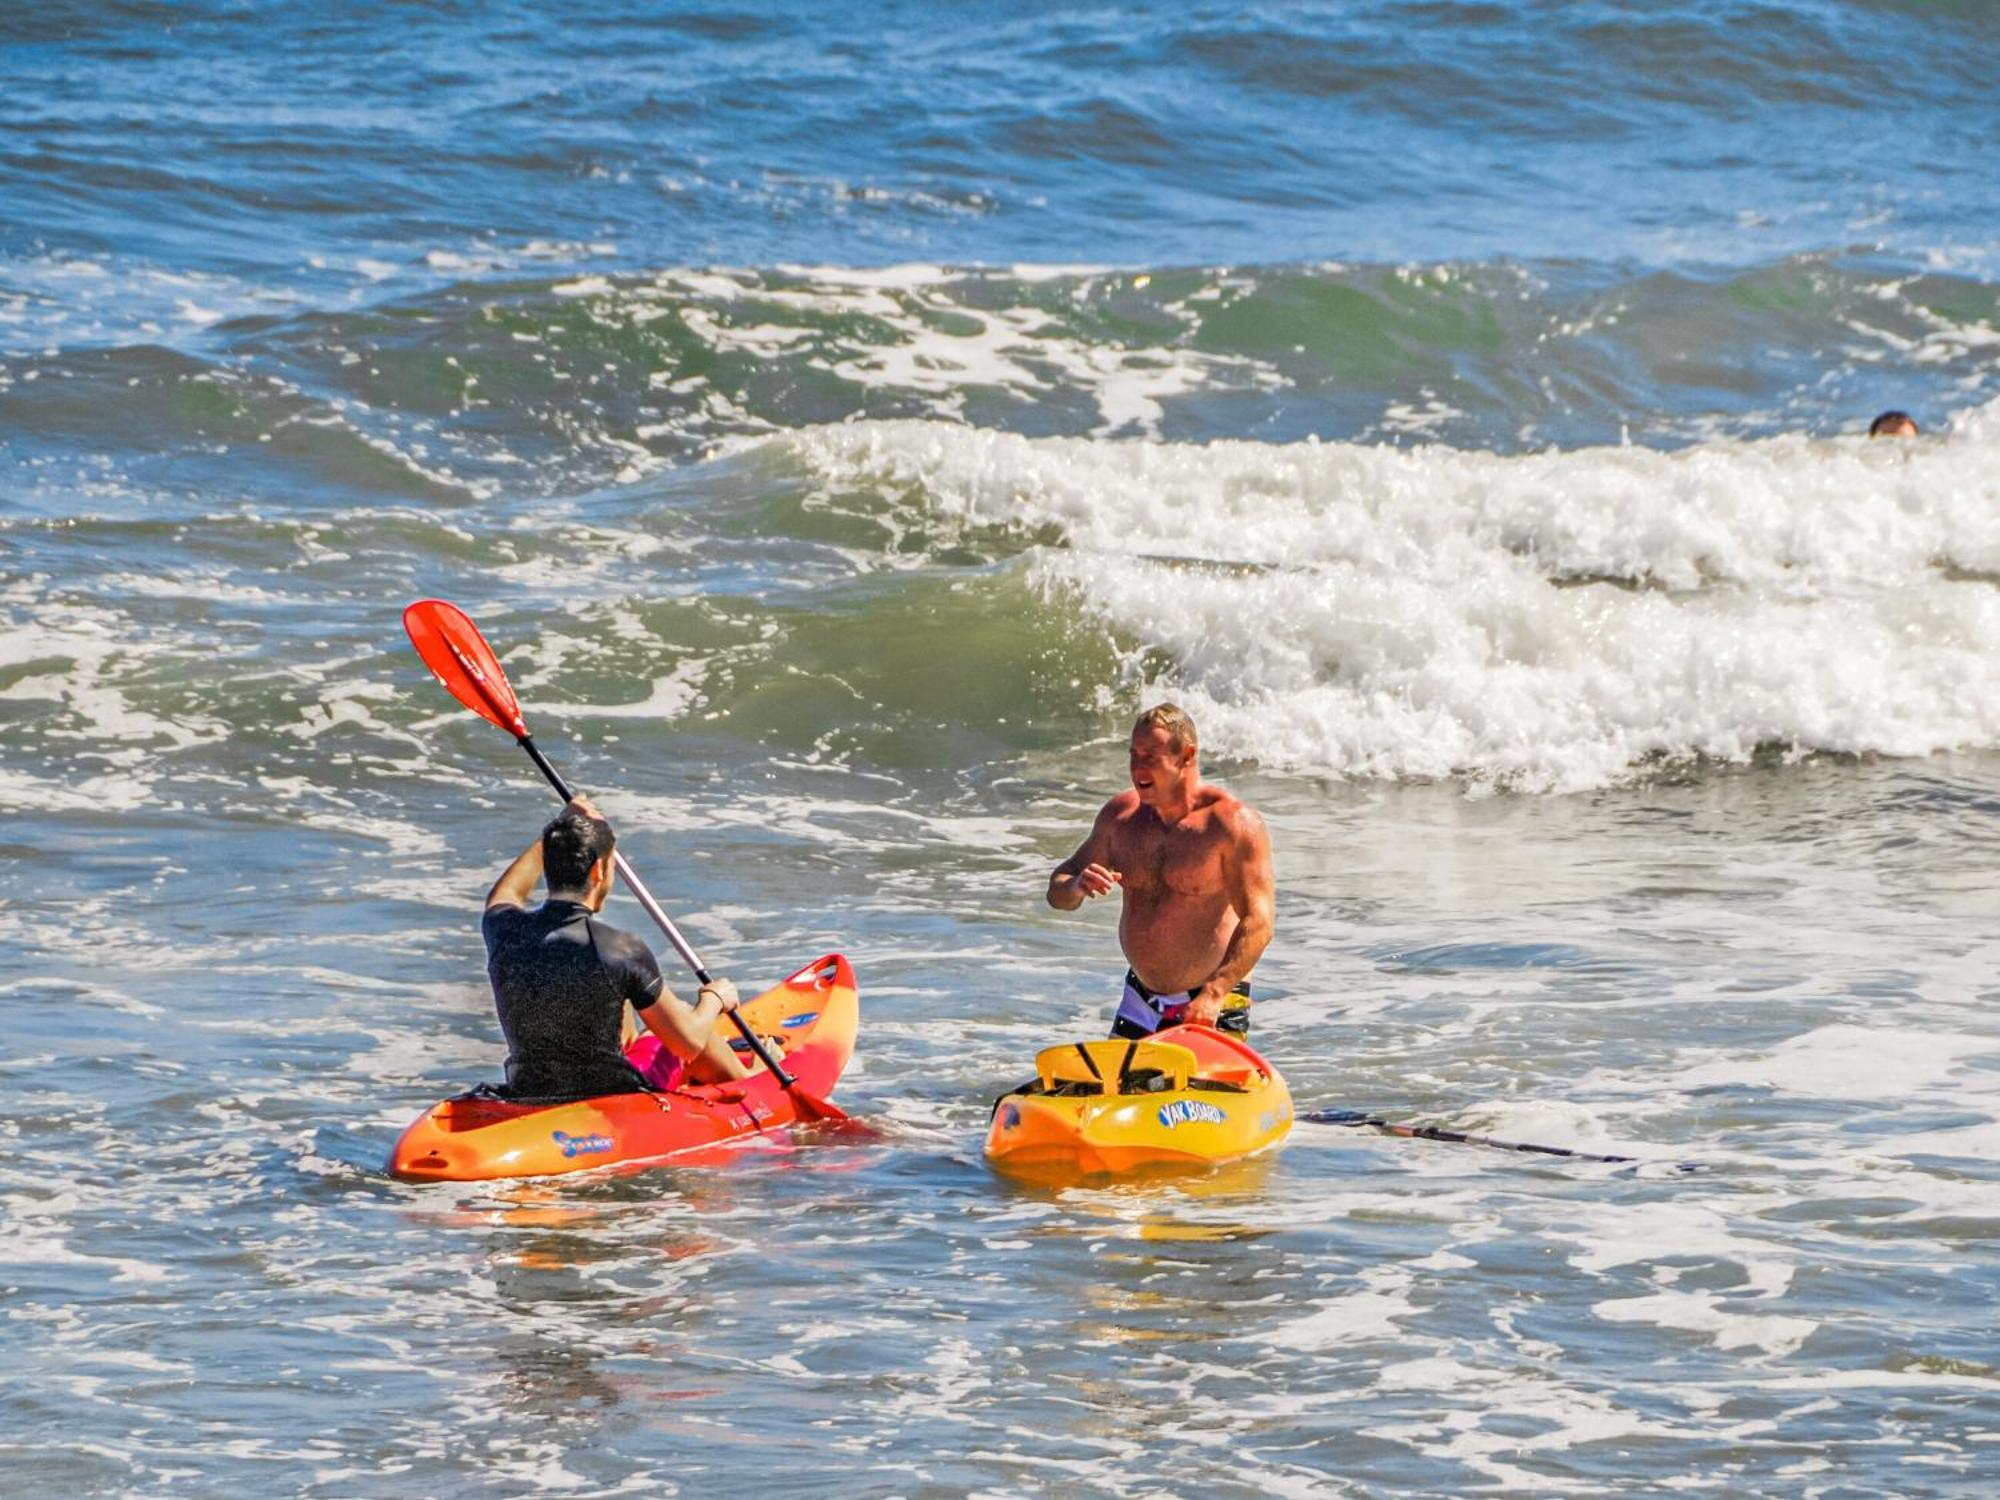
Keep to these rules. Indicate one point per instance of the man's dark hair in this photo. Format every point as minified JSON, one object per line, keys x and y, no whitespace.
{"x":571,"y":844}
{"x":1893,"y":424}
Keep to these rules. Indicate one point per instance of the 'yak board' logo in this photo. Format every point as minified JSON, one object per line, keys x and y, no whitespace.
{"x":580,"y":1145}
{"x":1183,"y":1110}
{"x":805,"y":1020}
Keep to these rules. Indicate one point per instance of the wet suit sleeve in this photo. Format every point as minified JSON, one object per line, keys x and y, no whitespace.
{"x":636,"y":971}
{"x":494,"y":924}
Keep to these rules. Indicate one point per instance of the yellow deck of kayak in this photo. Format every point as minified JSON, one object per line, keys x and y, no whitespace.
{"x":1188,"y":1096}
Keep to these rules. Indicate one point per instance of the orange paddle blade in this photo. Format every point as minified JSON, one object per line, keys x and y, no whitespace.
{"x":459,"y":657}
{"x":813,"y":1110}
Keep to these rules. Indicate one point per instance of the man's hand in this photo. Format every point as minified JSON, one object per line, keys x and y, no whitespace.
{"x":1205,"y":1009}
{"x":1084,"y":875}
{"x":582,"y":803}
{"x":722,"y":992}
{"x":1096,"y":880}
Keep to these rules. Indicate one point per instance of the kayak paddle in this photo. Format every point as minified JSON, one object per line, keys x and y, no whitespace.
{"x":459,"y":657}
{"x":1362,"y":1119}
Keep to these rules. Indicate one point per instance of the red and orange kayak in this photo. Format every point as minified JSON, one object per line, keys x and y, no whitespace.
{"x":815,"y":1013}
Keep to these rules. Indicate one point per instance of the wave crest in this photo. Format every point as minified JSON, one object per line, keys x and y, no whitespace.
{"x":1551,"y":621}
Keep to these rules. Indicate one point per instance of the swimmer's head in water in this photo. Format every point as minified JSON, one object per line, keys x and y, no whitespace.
{"x":1893,"y":424}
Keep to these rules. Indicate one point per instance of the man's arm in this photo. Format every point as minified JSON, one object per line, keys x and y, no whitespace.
{"x":517,"y":882}
{"x":688,"y":1031}
{"x":1085,"y":872}
{"x":1253,"y":894}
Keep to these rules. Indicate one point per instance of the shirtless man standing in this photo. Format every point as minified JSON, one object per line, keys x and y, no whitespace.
{"x":1195,"y":866}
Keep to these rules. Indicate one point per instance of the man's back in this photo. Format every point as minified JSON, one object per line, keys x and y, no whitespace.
{"x":560,"y":982}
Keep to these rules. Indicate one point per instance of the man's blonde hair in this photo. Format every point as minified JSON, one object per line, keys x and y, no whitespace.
{"x":1172,"y":718}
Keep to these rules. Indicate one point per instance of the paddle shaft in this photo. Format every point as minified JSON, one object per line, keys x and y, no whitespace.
{"x":1357,"y":1118}
{"x":508,"y":716}
{"x":658,"y":913}
{"x":632,"y":882}
{"x":459,"y":657}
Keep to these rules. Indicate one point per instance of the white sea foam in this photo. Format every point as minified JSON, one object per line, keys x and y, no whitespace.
{"x":1548,"y":621}
{"x":1853,"y":1062}
{"x":65,"y":300}
{"x":1370,"y":1312}
{"x":80,"y":668}
{"x":924,"y":336}
{"x":668,"y":698}
{"x":1562,"y":1419}
{"x":1706,"y":1313}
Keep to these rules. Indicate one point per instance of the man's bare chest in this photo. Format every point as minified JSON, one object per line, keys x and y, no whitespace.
{"x":1186,"y":858}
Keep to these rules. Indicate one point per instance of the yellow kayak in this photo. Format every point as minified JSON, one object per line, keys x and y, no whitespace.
{"x":1186,"y":1096}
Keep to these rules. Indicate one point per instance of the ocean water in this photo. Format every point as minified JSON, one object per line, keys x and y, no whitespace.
{"x":842,"y":423}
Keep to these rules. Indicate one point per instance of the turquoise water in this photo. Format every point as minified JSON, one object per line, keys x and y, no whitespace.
{"x":841,"y":425}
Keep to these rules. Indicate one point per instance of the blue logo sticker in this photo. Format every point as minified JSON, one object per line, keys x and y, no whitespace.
{"x":805,"y":1020}
{"x":580,"y":1145}
{"x":1183,"y":1110}
{"x":1010,"y":1116}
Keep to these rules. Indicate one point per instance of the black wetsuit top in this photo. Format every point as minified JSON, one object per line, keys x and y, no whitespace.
{"x":560,"y":982}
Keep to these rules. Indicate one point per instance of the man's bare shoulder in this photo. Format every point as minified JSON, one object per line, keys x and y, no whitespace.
{"x":1120,"y":808}
{"x":1231,"y":813}
{"x":1115,"y":823}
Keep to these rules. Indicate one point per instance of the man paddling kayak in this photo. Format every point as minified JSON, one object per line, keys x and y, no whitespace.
{"x":1194,"y":863}
{"x":561,"y":977}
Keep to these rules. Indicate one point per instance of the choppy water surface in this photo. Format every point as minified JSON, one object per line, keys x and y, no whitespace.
{"x":841,"y":430}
